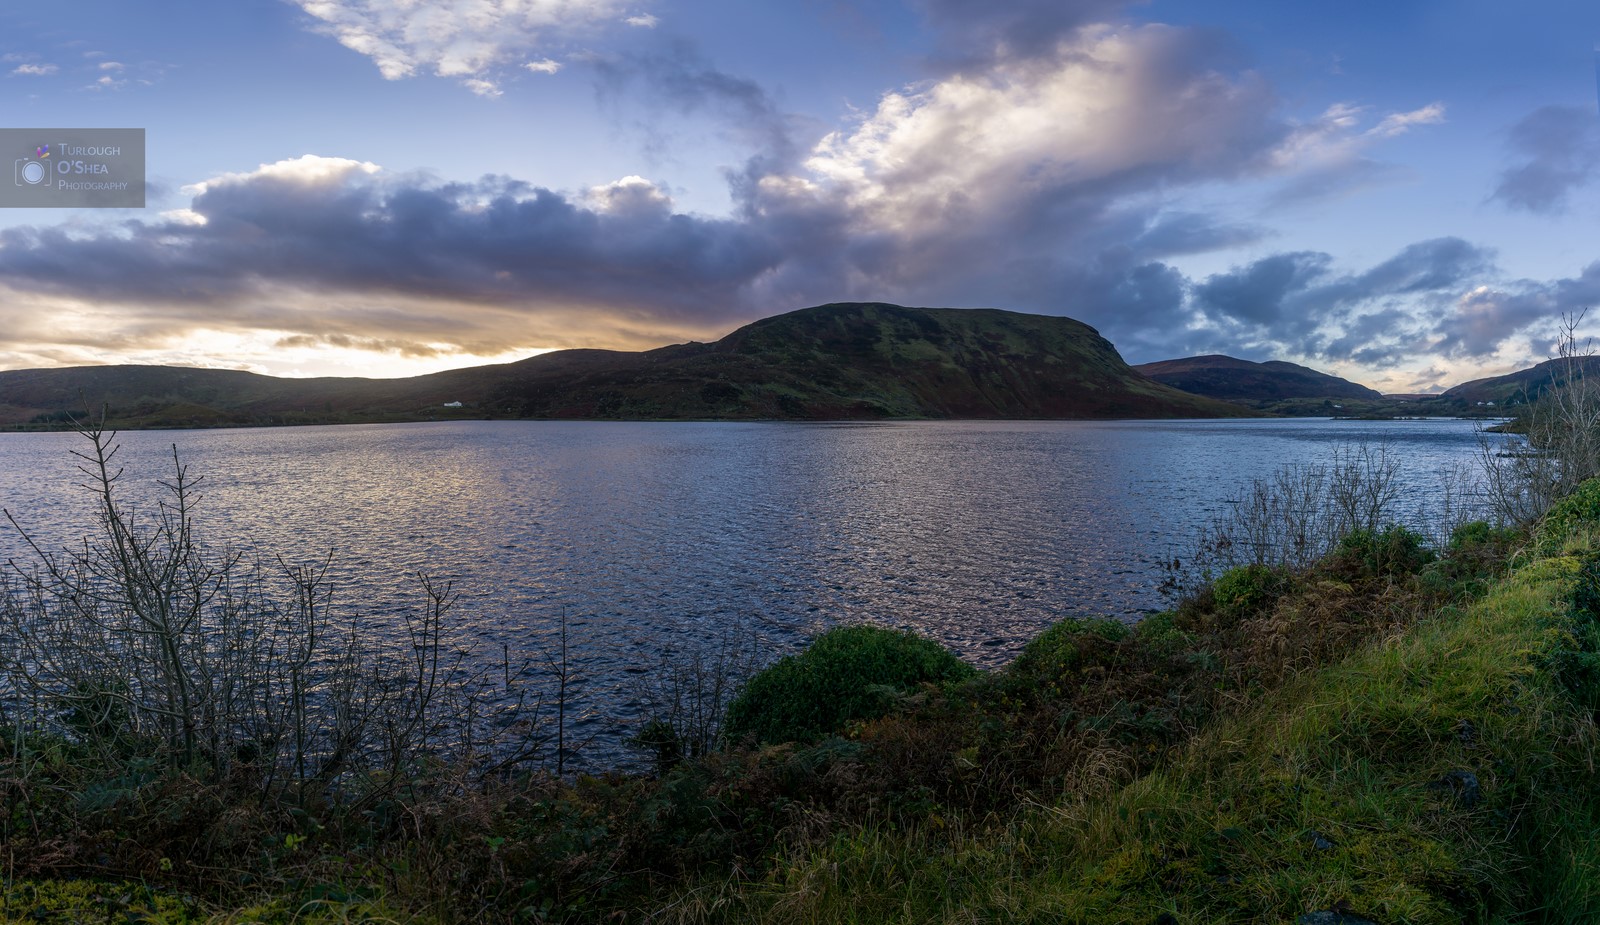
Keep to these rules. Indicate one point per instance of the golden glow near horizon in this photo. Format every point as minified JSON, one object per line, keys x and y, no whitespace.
{"x":278,"y":354}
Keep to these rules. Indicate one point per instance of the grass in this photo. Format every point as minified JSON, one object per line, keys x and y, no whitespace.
{"x":1341,"y":791}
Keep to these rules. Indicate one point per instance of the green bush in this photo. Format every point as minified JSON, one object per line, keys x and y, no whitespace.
{"x":1478,"y":534}
{"x":1247,"y":589}
{"x":1577,"y":662}
{"x":1581,"y":509}
{"x":1391,"y":551}
{"x":1160,"y":633}
{"x":1072,"y":644}
{"x":840,"y":678}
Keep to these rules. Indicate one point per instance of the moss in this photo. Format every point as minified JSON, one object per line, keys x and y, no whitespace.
{"x":74,"y":901}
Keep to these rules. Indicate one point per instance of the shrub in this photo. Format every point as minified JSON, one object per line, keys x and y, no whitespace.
{"x":1391,"y":551}
{"x":1247,"y":589}
{"x":1581,"y":509}
{"x":838,"y":679}
{"x":1477,"y":534}
{"x":1067,"y":646}
{"x":1160,"y":634}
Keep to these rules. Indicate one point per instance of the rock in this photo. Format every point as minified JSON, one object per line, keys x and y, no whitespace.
{"x":1466,"y":732}
{"x":1320,"y":842}
{"x":1463,"y":785}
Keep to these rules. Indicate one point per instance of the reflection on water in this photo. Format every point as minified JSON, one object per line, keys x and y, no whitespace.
{"x":650,"y":535}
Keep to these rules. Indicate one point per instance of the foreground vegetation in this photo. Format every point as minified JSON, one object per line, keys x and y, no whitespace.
{"x":1340,"y":721}
{"x":1359,"y":727}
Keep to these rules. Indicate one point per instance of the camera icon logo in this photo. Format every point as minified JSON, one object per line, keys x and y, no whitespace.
{"x":33,"y":171}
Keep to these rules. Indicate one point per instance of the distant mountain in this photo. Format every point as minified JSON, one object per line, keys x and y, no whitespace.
{"x":1232,"y":379}
{"x":839,"y":361}
{"x":1524,"y":384}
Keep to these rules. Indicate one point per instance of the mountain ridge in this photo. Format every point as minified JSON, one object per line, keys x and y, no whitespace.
{"x":1232,"y":379}
{"x":841,"y":361}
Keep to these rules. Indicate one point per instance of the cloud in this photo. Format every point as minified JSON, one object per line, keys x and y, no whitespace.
{"x":1328,"y":156}
{"x":679,"y":81}
{"x":485,"y":88}
{"x":1049,"y":180}
{"x":1559,"y":152}
{"x":1258,"y":293}
{"x":543,"y":66}
{"x":320,"y":246}
{"x":1399,"y":123}
{"x":1484,"y":319}
{"x":112,"y":66}
{"x":643,"y":21}
{"x":469,"y":40}
{"x":34,"y":70}
{"x":1297,"y":303}
{"x":976,"y":31}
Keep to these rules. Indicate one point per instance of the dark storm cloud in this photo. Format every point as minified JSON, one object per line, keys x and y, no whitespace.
{"x":1257,"y":293}
{"x":1559,"y":151}
{"x":1296,"y":301}
{"x":327,"y":226}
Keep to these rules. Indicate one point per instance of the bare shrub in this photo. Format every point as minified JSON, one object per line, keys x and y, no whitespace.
{"x":1297,"y":515}
{"x":1560,"y":446}
{"x":684,"y":700}
{"x":144,"y":641}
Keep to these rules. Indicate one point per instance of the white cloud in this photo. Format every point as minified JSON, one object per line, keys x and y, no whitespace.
{"x":308,"y":170}
{"x":1105,"y":107}
{"x":184,"y":216}
{"x":484,"y":88}
{"x":1334,"y":136}
{"x":107,"y":82}
{"x":111,"y":66}
{"x":643,"y":21}
{"x":543,"y":66}
{"x":450,"y":38}
{"x":1401,"y":122}
{"x":35,"y":70}
{"x":631,"y":195}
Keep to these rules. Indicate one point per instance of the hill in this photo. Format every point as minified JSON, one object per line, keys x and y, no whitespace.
{"x":1523,"y":385}
{"x":1232,"y":379}
{"x":839,"y":361}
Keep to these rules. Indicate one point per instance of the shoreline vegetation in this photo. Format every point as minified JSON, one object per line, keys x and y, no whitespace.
{"x":1339,"y":721}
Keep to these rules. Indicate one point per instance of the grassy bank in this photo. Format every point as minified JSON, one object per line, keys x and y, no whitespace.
{"x":1393,"y":734}
{"x":1442,"y":774}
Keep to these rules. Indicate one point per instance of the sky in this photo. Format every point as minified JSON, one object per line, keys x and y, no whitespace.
{"x":1404,"y":193}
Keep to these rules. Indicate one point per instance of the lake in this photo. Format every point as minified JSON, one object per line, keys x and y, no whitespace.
{"x":648,"y":537}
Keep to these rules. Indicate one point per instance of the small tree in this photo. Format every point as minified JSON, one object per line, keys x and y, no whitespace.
{"x":1560,"y":448}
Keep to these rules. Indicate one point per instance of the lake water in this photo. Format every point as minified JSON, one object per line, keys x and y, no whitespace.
{"x":655,"y":536}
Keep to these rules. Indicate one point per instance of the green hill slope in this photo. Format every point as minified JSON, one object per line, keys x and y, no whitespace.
{"x":1233,"y":379}
{"x":862,"y":360}
{"x":1524,"y":385}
